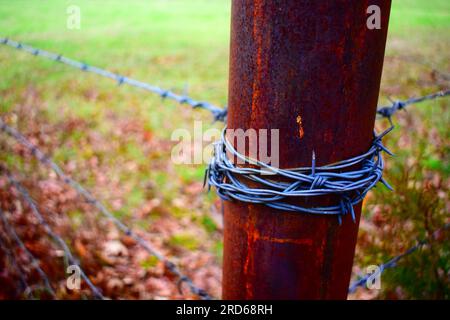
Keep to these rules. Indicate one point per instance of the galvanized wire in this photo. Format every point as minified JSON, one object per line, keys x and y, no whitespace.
{"x":233,"y":182}
{"x":218,"y":113}
{"x":36,"y":152}
{"x":350,"y":186}
{"x":389,"y":111}
{"x":43,"y":222}
{"x":363,"y":281}
{"x":276,"y":186}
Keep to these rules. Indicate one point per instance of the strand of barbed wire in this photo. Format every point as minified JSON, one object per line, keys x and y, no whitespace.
{"x":363,"y":281}
{"x":42,"y":158}
{"x":70,"y":259}
{"x":218,"y":113}
{"x":389,"y":111}
{"x":14,"y":264}
{"x":9,"y":229}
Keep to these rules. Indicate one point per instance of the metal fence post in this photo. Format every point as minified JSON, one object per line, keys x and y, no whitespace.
{"x":311,"y":69}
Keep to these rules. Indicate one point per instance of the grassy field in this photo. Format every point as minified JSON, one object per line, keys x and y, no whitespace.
{"x":116,"y":141}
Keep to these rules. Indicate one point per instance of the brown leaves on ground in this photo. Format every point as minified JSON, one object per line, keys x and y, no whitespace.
{"x":114,"y":167}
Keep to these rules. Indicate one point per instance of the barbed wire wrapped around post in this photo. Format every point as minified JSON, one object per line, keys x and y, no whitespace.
{"x":393,"y":262}
{"x":218,"y":113}
{"x":42,"y":158}
{"x":277,"y":186}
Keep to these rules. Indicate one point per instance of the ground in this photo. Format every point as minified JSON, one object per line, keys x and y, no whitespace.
{"x":116,"y":142}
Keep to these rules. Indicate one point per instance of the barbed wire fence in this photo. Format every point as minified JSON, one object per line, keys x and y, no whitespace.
{"x":219,"y":114}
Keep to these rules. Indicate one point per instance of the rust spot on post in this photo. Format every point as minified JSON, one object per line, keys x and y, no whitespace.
{"x":301,"y":132}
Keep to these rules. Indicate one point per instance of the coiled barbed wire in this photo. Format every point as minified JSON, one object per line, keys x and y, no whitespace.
{"x":218,"y":113}
{"x":278,"y":185}
{"x":393,"y":262}
{"x":43,"y":222}
{"x":42,"y":158}
{"x":9,"y":229}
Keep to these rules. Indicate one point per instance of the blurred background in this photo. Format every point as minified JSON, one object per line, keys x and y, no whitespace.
{"x":116,"y":142}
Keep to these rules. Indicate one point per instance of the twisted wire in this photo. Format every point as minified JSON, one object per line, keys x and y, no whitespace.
{"x":43,"y":222}
{"x":42,"y":158}
{"x":34,"y":262}
{"x":389,"y":111}
{"x":218,"y":113}
{"x":393,"y":262}
{"x":350,"y":185}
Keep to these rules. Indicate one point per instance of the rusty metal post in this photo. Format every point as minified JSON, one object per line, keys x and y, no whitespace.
{"x":312,"y":70}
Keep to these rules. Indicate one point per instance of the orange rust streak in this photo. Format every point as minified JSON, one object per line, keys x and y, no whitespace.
{"x":253,"y":235}
{"x":301,"y":132}
{"x":258,"y":36}
{"x":286,"y":240}
{"x":249,"y":263}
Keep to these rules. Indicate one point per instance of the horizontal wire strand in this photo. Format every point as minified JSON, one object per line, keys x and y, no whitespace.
{"x":218,"y":113}
{"x":393,"y":261}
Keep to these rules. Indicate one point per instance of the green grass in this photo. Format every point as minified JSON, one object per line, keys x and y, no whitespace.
{"x":419,"y":16}
{"x":184,"y":43}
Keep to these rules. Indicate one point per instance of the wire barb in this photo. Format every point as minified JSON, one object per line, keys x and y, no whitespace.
{"x":389,"y":111}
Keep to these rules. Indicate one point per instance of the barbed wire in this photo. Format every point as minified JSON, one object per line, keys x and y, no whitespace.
{"x":312,"y":181}
{"x":42,"y":158}
{"x":233,"y":182}
{"x":43,"y":222}
{"x":389,"y":111}
{"x":9,"y":229}
{"x":393,"y":262}
{"x":218,"y":113}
